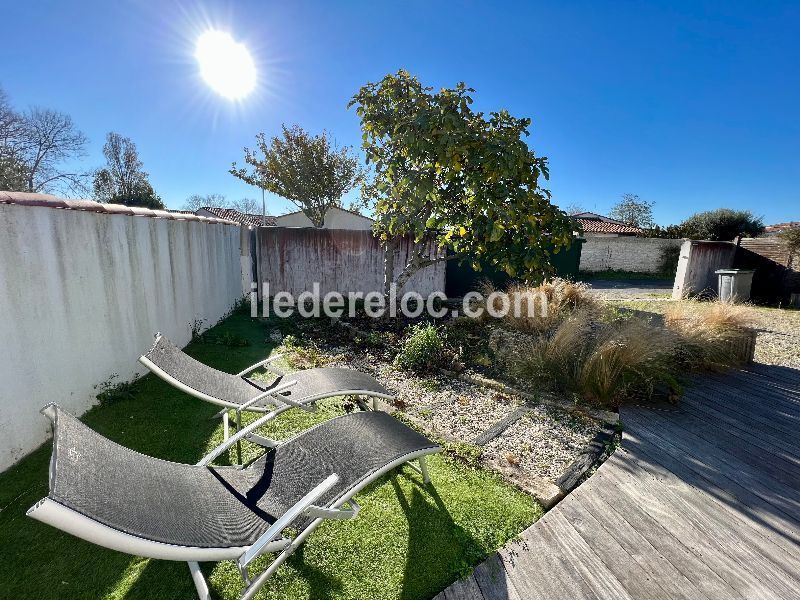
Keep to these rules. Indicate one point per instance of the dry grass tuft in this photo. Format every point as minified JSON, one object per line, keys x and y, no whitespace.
{"x":711,"y":333}
{"x":539,"y":309}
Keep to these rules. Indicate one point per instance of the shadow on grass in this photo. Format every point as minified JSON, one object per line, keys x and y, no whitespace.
{"x":439,"y":551}
{"x":41,"y":562}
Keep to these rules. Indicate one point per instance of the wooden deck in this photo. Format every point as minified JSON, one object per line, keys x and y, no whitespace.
{"x":701,"y":501}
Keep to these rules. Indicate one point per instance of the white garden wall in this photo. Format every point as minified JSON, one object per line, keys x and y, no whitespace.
{"x":624,"y":253}
{"x":81,"y":295}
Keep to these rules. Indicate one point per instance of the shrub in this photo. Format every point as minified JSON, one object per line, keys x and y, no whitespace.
{"x":422,"y":350}
{"x":560,"y":298}
{"x":711,"y":333}
{"x":722,"y":224}
{"x":115,"y":392}
{"x":604,"y":363}
{"x":668,"y":260}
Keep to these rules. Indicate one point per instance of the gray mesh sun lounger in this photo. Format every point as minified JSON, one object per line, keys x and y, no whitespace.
{"x":119,"y":499}
{"x":236,"y":392}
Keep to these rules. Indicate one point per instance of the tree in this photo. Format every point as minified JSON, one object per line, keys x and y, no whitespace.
{"x":670,"y":232}
{"x":574,"y":208}
{"x":122,"y":180}
{"x":452,"y":179}
{"x":248,"y":206}
{"x":791,"y":237}
{"x":34,"y":148}
{"x":307,"y":170}
{"x":722,"y":224}
{"x":634,"y":211}
{"x":195,"y":202}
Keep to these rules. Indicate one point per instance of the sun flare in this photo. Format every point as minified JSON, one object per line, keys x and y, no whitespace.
{"x":225,"y":64}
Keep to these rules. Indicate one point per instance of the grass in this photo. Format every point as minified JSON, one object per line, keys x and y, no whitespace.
{"x":409,"y":541}
{"x":606,"y":356}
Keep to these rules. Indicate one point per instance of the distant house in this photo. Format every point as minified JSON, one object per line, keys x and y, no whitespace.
{"x":335,"y":218}
{"x":234,"y":215}
{"x":778,"y":227}
{"x":595,"y":225}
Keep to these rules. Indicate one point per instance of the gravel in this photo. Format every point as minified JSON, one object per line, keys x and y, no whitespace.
{"x":539,"y":445}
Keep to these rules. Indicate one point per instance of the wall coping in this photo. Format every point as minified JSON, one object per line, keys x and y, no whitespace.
{"x":50,"y":201}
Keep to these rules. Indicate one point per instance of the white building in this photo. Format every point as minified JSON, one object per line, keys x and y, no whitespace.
{"x":335,"y":218}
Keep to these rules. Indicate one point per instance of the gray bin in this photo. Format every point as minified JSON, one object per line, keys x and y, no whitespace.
{"x":734,"y":284}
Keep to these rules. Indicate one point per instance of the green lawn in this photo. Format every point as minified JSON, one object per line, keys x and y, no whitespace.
{"x":409,"y":540}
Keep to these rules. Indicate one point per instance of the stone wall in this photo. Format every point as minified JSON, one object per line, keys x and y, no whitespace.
{"x":624,"y":253}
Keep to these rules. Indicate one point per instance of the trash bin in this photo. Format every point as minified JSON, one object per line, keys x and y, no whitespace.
{"x":734,"y":284}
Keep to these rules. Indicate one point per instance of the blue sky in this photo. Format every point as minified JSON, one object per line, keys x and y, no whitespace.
{"x":693,"y":105}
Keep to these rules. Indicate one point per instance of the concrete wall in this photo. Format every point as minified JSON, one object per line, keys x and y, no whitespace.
{"x":624,"y":253}
{"x":81,"y":295}
{"x":293,"y":259}
{"x":697,"y":265}
{"x":335,"y":218}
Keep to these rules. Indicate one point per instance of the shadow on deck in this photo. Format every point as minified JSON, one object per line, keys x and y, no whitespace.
{"x":701,"y":501}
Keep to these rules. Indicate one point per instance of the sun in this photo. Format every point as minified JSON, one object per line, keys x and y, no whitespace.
{"x":225,"y":64}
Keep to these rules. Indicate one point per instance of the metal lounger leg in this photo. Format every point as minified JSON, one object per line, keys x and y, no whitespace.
{"x":423,"y":468}
{"x":225,"y":425}
{"x":261,"y":579}
{"x":239,"y":442}
{"x":199,"y":581}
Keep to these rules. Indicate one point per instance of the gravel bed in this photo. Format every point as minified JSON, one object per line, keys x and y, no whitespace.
{"x":541,"y":444}
{"x":778,"y":341}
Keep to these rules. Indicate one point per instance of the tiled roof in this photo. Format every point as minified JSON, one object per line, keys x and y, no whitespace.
{"x":49,"y":201}
{"x":781,"y":226}
{"x":606,"y":226}
{"x":244,"y":218}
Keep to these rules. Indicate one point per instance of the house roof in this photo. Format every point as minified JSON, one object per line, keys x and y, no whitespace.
{"x":594,"y":223}
{"x":232,"y":214}
{"x":50,"y":201}
{"x":778,"y":227}
{"x":352,"y":212}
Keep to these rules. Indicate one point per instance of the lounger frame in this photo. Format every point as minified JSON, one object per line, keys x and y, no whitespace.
{"x":283,"y":403}
{"x":61,"y":517}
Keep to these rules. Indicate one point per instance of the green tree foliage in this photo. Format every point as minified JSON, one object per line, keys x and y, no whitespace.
{"x":721,"y":224}
{"x":306,"y":169}
{"x":634,"y":211}
{"x":123,"y":180}
{"x":448,"y":175}
{"x":673,"y":232}
{"x":791,"y":237}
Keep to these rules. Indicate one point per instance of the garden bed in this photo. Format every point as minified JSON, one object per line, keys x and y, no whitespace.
{"x":533,"y":445}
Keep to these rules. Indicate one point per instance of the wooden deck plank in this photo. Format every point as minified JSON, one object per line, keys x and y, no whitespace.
{"x":576,"y":554}
{"x":781,"y":448}
{"x":667,"y":537}
{"x":748,"y":413}
{"x":744,"y":473}
{"x":636,"y":581}
{"x":537,"y":570}
{"x":753,"y":570}
{"x":639,"y":548}
{"x":701,"y":501}
{"x":493,"y":580}
{"x":732,"y":498}
{"x":729,"y":526}
{"x":738,"y":447}
{"x":465,"y":589}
